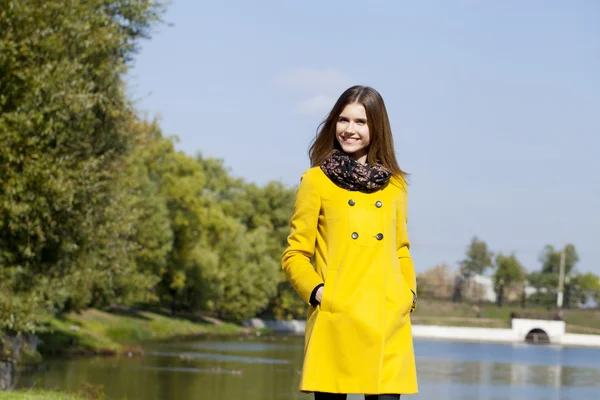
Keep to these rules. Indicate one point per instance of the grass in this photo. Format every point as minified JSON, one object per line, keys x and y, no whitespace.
{"x":101,"y":332}
{"x":37,"y":395}
{"x":122,"y":330}
{"x":457,"y":321}
{"x":447,"y":313}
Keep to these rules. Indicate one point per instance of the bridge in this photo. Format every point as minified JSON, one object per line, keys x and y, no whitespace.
{"x":538,"y":330}
{"x":522,"y":330}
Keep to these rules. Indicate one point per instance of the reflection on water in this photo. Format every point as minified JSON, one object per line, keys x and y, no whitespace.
{"x":220,"y":357}
{"x":270,"y":344}
{"x":509,"y":365}
{"x":269,"y":368}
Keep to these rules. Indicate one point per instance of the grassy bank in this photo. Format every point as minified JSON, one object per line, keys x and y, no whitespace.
{"x":115,"y":332}
{"x":100,"y":332}
{"x":447,"y":313}
{"x":37,"y":395}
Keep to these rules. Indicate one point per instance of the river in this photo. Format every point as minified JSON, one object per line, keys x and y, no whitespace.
{"x":264,"y":368}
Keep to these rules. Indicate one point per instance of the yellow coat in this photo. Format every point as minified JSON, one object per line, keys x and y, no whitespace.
{"x":358,"y":340}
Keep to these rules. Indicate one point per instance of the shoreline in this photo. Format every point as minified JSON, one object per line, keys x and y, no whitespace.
{"x":499,"y":336}
{"x":95,"y":332}
{"x":521,"y":329}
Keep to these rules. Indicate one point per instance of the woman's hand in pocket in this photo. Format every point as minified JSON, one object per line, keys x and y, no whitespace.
{"x":319,"y":294}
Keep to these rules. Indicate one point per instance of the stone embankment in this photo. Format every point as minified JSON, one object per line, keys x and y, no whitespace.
{"x":522,"y":330}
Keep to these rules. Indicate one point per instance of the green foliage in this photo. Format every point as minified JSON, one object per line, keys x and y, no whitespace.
{"x":509,"y":270}
{"x":39,"y":395}
{"x":287,"y":304}
{"x":222,"y":254}
{"x":249,"y":275}
{"x":178,"y":182}
{"x":96,"y":206}
{"x":63,"y":125}
{"x":589,"y":282}
{"x":478,"y":257}
{"x":577,"y":286}
{"x":550,"y":259}
{"x":546,"y":280}
{"x":265,"y":212}
{"x":509,"y":273}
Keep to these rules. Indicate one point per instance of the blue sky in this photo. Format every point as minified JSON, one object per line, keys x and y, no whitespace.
{"x":494,"y":105}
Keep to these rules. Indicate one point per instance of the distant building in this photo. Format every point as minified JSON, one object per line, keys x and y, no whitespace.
{"x":590,"y":302}
{"x":481,"y":288}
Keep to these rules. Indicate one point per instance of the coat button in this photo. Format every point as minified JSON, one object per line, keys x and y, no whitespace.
{"x":379,"y":236}
{"x":354,"y":235}
{"x":378,"y":204}
{"x":351,"y":202}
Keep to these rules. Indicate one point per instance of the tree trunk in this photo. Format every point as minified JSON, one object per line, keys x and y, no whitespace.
{"x":6,"y":375}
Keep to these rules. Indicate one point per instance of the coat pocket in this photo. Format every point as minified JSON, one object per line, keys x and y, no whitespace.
{"x":403,"y":294}
{"x":407,"y":293}
{"x":328,"y":291}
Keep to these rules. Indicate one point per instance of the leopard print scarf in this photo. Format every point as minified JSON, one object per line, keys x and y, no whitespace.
{"x":351,"y":175}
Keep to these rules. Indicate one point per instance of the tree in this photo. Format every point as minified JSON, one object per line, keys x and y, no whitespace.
{"x":268,"y":208}
{"x":64,"y":126}
{"x":509,"y":272}
{"x":589,"y":282}
{"x":547,"y":279}
{"x":193,"y":219}
{"x":478,"y":258}
{"x":246,"y":279}
{"x":550,"y":259}
{"x":582,"y":286}
{"x":151,"y":237}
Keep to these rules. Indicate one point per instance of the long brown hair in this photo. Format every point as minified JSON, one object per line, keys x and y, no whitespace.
{"x":381,"y":147}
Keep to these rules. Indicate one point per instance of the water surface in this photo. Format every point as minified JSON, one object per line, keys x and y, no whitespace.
{"x":264,"y":368}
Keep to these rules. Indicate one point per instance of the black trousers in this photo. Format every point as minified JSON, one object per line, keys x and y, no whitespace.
{"x":338,"y":396}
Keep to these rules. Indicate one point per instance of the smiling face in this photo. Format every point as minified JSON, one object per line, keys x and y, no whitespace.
{"x":352,"y":132}
{"x":357,"y":124}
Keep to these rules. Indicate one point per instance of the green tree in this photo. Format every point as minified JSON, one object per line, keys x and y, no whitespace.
{"x":478,"y":257}
{"x":509,"y":272}
{"x":550,"y":259}
{"x":580,"y":286}
{"x":64,"y":126}
{"x":151,"y":237}
{"x":264,"y":212}
{"x":181,"y":182}
{"x":245,"y":279}
{"x":547,"y":279}
{"x":589,"y":282}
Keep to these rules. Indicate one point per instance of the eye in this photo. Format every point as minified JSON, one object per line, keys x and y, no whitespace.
{"x":342,"y":119}
{"x":361,"y":121}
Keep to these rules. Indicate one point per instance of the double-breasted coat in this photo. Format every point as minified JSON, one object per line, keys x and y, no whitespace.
{"x":358,"y":339}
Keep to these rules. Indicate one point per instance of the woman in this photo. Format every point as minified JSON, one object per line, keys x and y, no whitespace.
{"x":350,"y":213}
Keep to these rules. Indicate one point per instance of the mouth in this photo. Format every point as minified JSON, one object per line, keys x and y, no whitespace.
{"x":349,"y":140}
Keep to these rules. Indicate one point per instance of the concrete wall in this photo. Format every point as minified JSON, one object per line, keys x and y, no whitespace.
{"x":572,"y":339}
{"x":463,"y":333}
{"x":517,"y":334}
{"x":291,"y":326}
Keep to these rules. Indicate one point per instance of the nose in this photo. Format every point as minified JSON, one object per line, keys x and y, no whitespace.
{"x":351,"y":128}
